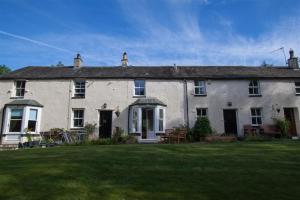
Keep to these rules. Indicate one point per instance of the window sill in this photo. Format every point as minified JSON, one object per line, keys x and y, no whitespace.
{"x":254,"y":95}
{"x":139,"y":96}
{"x":16,"y":97}
{"x":200,"y":95}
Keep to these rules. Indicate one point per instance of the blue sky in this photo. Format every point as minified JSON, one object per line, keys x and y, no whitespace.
{"x":152,"y":32}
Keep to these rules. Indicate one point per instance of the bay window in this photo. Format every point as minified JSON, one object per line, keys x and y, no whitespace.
{"x":16,"y":118}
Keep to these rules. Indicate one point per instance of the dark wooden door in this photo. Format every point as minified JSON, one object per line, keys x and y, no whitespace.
{"x":230,"y":121}
{"x":105,"y":124}
{"x":290,"y":116}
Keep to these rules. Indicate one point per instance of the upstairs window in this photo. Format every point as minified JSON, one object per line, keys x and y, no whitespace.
{"x":297,"y":88}
{"x":32,"y":121}
{"x":20,"y":88}
{"x":16,"y":117}
{"x":79,"y":89}
{"x":139,"y":88}
{"x":78,"y":118}
{"x":201,"y":112}
{"x":254,"y":88}
{"x":200,"y":88}
{"x":256,"y":116}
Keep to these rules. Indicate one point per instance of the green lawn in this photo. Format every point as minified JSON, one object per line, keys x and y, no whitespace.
{"x":262,"y":170}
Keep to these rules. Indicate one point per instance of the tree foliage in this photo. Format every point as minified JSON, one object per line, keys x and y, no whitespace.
{"x":202,"y":128}
{"x":4,"y":69}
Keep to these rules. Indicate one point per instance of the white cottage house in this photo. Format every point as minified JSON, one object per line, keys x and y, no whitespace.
{"x":145,"y":100}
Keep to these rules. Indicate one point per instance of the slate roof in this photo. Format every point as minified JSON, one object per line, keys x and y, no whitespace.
{"x":153,"y":72}
{"x":24,"y":102}
{"x":148,"y":101}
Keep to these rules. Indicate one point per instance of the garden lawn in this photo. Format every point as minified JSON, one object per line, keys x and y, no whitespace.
{"x":246,"y":170}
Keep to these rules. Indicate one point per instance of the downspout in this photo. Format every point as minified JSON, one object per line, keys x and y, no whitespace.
{"x":128,"y":120}
{"x":69,"y":105}
{"x":186,"y":103}
{"x":2,"y":123}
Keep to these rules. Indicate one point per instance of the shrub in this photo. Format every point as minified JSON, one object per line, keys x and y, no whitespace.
{"x":283,"y":125}
{"x":117,"y":136}
{"x":202,"y":128}
{"x":129,"y":139}
{"x":90,"y":129}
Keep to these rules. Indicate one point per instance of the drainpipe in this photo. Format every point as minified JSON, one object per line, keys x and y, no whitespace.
{"x":186,"y":103}
{"x":2,"y":123}
{"x":69,"y":105}
{"x":128,"y":120}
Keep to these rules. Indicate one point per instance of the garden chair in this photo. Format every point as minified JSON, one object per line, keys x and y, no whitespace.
{"x":166,"y":137}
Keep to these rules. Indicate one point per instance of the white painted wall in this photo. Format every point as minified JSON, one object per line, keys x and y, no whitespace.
{"x":56,"y":96}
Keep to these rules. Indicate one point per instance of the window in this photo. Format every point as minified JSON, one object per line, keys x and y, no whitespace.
{"x":20,"y":88}
{"x":254,"y":88}
{"x":161,"y":120}
{"x":297,"y":87}
{"x":16,"y":117}
{"x":135,"y":120}
{"x":200,"y":88}
{"x":139,"y":87}
{"x":256,"y":116}
{"x":201,"y":112}
{"x":78,"y":118}
{"x":32,"y":120}
{"x":79,"y":89}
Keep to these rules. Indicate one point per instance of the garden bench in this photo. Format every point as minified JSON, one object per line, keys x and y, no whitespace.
{"x":269,"y":130}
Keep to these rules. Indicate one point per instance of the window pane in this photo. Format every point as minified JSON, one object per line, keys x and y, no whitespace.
{"x":254,"y":120}
{"x":160,"y":128}
{"x":16,"y":113}
{"x":15,"y":125}
{"x":258,"y":112}
{"x":33,"y":114}
{"x":297,"y":84}
{"x":259,"y":120}
{"x":203,"y":112}
{"x":161,"y":113}
{"x":31,"y":125}
{"x":197,"y":90}
{"x":253,"y":113}
{"x":298,"y":90}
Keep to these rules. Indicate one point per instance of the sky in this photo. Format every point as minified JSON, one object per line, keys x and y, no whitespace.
{"x":152,"y":32}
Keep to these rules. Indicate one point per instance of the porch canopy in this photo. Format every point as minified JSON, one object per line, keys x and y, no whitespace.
{"x":147,"y":118}
{"x":24,"y":102}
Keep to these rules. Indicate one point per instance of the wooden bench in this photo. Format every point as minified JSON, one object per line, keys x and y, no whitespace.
{"x":250,"y":130}
{"x":269,"y":130}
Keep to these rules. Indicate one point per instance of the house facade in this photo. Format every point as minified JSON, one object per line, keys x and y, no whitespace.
{"x":145,"y":101}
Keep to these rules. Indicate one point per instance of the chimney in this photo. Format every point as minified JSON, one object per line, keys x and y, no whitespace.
{"x":78,"y":61}
{"x":124,"y":60}
{"x":293,"y":61}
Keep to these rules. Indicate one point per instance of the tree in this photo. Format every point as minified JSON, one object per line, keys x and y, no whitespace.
{"x":4,"y":69}
{"x":202,"y":128}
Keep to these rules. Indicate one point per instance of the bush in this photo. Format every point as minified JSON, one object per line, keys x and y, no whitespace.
{"x":283,"y":125}
{"x":117,"y":136}
{"x":102,"y":141}
{"x":89,"y":129}
{"x":201,"y":128}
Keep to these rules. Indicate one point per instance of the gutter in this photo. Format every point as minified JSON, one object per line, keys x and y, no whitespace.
{"x":186,"y":98}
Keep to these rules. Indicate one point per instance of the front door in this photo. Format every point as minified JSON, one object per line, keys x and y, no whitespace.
{"x":105,"y":124}
{"x":290,"y":116}
{"x":230,"y":122}
{"x":148,"y":123}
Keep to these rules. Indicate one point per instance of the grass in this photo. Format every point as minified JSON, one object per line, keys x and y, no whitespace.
{"x":247,"y":170}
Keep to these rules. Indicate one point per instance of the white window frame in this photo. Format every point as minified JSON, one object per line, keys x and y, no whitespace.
{"x":202,"y":85}
{"x":139,"y":87}
{"x":256,"y":116}
{"x":157,"y":119}
{"x":36,"y":119}
{"x":77,"y":118}
{"x":19,"y":88}
{"x":201,"y":112}
{"x":80,"y":87}
{"x":253,"y":87}
{"x":161,"y":119}
{"x":297,"y":87}
{"x":138,"y":128}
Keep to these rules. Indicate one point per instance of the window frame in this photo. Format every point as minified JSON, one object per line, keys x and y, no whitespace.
{"x":36,"y":120}
{"x":253,"y":87}
{"x":199,"y":87}
{"x":139,"y":87}
{"x":19,"y":89}
{"x":256,"y":116}
{"x":297,"y":87}
{"x":10,"y":119}
{"x":161,"y":119}
{"x":76,"y":94}
{"x":201,"y":115}
{"x":77,"y":118}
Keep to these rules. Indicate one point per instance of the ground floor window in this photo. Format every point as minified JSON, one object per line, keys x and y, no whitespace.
{"x":78,"y":118}
{"x":201,"y":112}
{"x":32,"y":121}
{"x":16,"y":117}
{"x":256,"y":116}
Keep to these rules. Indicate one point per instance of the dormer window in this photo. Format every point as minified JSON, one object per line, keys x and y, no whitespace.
{"x":20,"y":88}
{"x":200,"y":89}
{"x":139,"y":87}
{"x":254,"y":88}
{"x":79,"y":90}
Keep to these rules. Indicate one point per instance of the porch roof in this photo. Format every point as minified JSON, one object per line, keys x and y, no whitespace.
{"x":24,"y":102}
{"x":148,"y":101}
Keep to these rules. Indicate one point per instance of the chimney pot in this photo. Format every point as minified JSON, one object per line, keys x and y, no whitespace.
{"x":293,"y":61}
{"x":124,"y":60}
{"x":78,"y":61}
